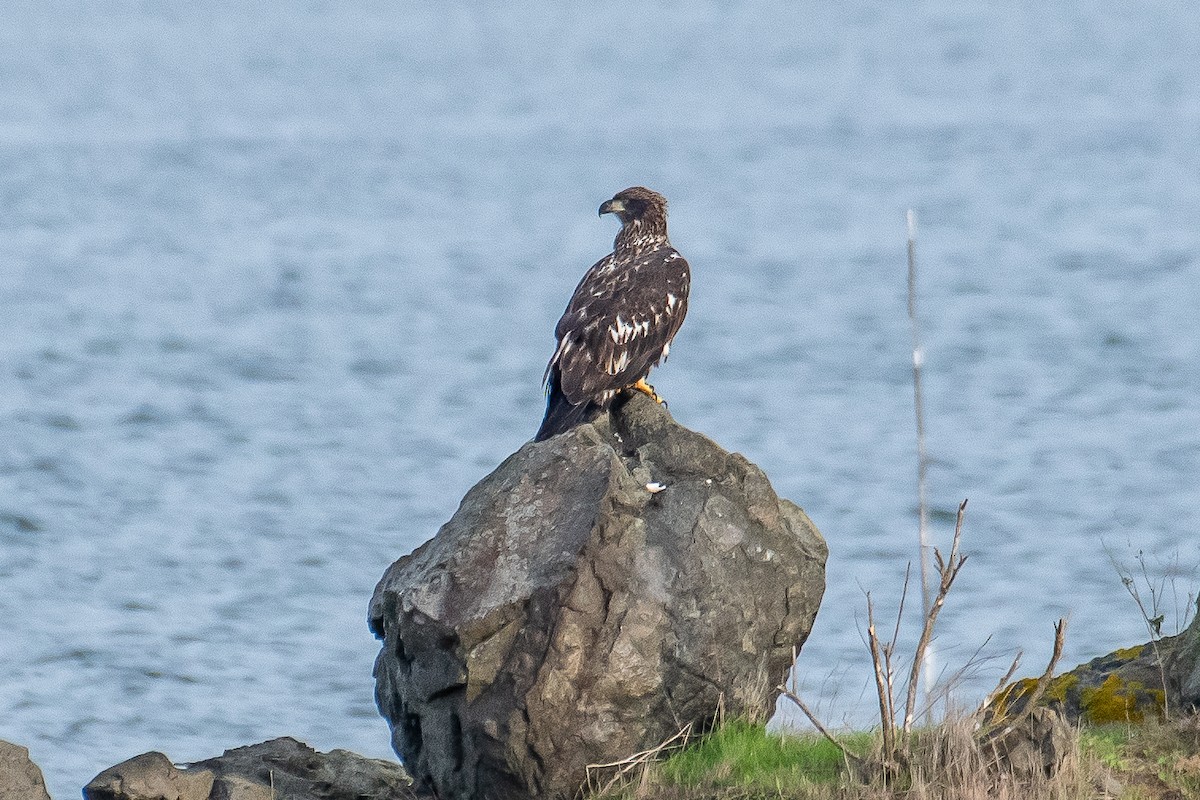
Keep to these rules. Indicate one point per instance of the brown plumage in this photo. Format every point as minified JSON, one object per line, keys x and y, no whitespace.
{"x":622,"y":317}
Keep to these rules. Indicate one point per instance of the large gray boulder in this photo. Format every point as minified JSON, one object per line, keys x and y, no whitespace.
{"x":573,"y":613}
{"x":20,"y":778}
{"x":279,"y":769}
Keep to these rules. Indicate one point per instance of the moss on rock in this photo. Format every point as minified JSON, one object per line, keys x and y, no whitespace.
{"x":1118,"y":700}
{"x":1130,"y":685}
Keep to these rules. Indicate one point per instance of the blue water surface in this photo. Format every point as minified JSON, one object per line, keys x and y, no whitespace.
{"x":278,"y":283}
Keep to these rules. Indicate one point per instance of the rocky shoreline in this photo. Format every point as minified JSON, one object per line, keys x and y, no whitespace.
{"x":278,"y":769}
{"x":285,"y":769}
{"x":596,"y":594}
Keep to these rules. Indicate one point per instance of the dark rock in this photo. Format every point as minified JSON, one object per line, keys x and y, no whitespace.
{"x":1034,"y":748}
{"x":20,"y":778}
{"x":1182,"y":664}
{"x":295,"y":771}
{"x":568,"y":615}
{"x":235,"y":787}
{"x":1129,"y":685}
{"x":150,"y":776}
{"x":280,"y":769}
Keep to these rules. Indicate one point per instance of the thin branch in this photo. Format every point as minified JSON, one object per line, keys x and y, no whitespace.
{"x":887,"y":716}
{"x":900,"y":611}
{"x":795,"y":698}
{"x":1153,"y":624}
{"x":1043,"y":683}
{"x":889,"y":672}
{"x":889,"y":649}
{"x":628,"y":765}
{"x":947,"y":571}
{"x":1000,"y":687}
{"x":947,"y":680}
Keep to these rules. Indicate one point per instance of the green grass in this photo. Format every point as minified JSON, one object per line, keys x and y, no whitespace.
{"x":1163,"y":759}
{"x":740,"y":761}
{"x":747,"y":756}
{"x":1108,"y":744}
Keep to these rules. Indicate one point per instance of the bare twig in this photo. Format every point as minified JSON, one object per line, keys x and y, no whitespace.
{"x":889,"y":672}
{"x":890,"y":649}
{"x":900,"y":610}
{"x":947,"y":571}
{"x":948,"y":681}
{"x":1001,"y":686}
{"x":795,"y":698}
{"x":887,"y":713}
{"x":627,"y":765}
{"x":1002,"y":727}
{"x":1153,"y":623}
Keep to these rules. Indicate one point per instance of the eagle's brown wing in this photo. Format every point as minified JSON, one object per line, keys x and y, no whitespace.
{"x":620,"y":323}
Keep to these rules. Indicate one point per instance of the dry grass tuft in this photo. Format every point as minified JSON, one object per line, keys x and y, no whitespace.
{"x":946,"y":762}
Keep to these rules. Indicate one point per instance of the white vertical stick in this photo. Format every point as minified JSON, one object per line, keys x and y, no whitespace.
{"x":918,"y":358}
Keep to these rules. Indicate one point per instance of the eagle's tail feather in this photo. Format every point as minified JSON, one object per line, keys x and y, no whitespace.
{"x":561,"y":414}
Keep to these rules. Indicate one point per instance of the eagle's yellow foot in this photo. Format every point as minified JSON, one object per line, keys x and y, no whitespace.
{"x":648,"y":390}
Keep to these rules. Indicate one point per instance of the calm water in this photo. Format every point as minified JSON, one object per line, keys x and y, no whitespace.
{"x":277,"y":285}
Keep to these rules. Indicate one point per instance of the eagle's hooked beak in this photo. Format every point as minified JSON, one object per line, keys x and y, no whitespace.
{"x":613,"y":206}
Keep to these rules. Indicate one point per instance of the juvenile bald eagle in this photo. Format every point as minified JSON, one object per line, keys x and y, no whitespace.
{"x":622,"y":317}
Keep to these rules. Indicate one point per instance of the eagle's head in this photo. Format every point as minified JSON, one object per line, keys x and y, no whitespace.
{"x":643,"y":214}
{"x":636,"y":202}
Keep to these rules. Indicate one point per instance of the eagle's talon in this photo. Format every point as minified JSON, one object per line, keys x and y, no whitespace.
{"x":648,"y":390}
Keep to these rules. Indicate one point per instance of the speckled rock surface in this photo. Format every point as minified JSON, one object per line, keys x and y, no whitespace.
{"x":20,"y":778}
{"x":572,"y":612}
{"x":279,"y":769}
{"x":150,"y":776}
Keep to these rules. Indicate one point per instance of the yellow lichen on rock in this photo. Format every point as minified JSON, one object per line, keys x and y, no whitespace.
{"x":1058,"y":688}
{"x":1011,"y":695}
{"x":1128,"y":653}
{"x":1116,"y":700}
